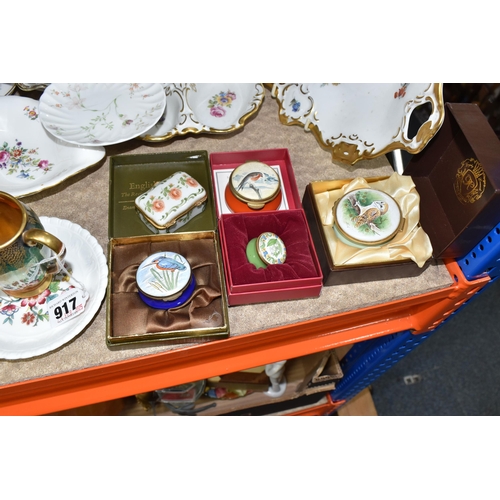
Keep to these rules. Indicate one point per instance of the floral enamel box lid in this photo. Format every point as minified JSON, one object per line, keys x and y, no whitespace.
{"x":171,"y":198}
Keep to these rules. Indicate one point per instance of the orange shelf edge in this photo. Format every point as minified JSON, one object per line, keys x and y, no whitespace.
{"x":129,"y":377}
{"x":320,"y":410}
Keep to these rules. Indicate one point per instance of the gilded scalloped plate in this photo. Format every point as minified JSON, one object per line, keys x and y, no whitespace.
{"x":357,"y":121}
{"x":213,"y":108}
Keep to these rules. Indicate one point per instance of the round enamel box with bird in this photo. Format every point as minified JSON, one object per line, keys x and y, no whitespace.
{"x":165,"y":280}
{"x":253,"y":185}
{"x":366,"y":217}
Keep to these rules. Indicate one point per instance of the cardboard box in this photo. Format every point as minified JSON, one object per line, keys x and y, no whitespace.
{"x":205,"y":317}
{"x":341,"y":275}
{"x":300,"y":276}
{"x":458,"y":178}
{"x":132,"y":175}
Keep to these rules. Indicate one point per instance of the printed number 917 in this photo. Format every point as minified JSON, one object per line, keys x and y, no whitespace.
{"x":64,"y":308}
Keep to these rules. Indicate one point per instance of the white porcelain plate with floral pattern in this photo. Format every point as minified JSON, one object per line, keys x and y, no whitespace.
{"x":25,"y":329}
{"x":31,"y":159}
{"x":100,"y":114}
{"x":214,"y":108}
{"x":358,"y":121}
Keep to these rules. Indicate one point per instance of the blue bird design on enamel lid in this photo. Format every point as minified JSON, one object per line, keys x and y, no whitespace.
{"x":163,"y":275}
{"x":254,"y":183}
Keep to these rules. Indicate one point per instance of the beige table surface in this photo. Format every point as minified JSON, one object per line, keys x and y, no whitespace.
{"x":83,"y":199}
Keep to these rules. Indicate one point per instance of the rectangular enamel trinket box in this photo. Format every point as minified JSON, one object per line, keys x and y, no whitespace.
{"x":172,"y":201}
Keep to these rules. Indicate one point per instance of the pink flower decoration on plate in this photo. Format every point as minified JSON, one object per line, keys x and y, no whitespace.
{"x":217,"y":111}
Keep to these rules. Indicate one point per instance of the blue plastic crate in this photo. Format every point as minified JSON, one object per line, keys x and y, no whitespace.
{"x":484,"y":258}
{"x":366,"y":361}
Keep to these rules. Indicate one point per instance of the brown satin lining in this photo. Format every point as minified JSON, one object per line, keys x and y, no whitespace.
{"x":131,"y":316}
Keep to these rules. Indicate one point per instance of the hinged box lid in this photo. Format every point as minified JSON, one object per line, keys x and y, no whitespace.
{"x":458,"y":178}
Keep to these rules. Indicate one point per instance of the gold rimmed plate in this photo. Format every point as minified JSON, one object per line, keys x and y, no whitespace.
{"x":29,"y":87}
{"x":357,"y":121}
{"x":213,"y":108}
{"x":31,"y":159}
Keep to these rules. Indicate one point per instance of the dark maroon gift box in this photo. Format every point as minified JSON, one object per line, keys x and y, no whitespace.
{"x":458,"y":178}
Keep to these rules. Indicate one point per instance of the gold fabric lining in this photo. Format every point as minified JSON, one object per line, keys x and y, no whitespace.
{"x":411,"y":243}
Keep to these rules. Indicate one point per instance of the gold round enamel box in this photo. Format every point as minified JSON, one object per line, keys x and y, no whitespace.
{"x":366,"y":217}
{"x":255,"y":183}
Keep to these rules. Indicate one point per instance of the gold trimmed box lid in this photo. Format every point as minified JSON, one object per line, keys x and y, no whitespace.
{"x":366,"y":217}
{"x":163,"y":275}
{"x":170,"y":199}
{"x":255,"y":183}
{"x":271,"y":248}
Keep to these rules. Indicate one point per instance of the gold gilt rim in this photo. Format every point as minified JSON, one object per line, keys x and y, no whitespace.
{"x":349,"y":151}
{"x":250,"y":201}
{"x":255,"y":105}
{"x":28,"y":88}
{"x":11,"y":90}
{"x":47,"y":186}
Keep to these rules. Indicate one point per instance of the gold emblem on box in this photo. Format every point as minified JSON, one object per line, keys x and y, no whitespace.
{"x":470,"y":181}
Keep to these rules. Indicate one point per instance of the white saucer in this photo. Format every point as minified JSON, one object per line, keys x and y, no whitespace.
{"x":85,"y":258}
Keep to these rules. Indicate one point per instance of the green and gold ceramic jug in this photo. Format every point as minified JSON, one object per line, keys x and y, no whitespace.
{"x":26,"y":260}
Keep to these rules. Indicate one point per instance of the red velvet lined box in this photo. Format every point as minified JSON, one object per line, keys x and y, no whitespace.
{"x":300,"y":276}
